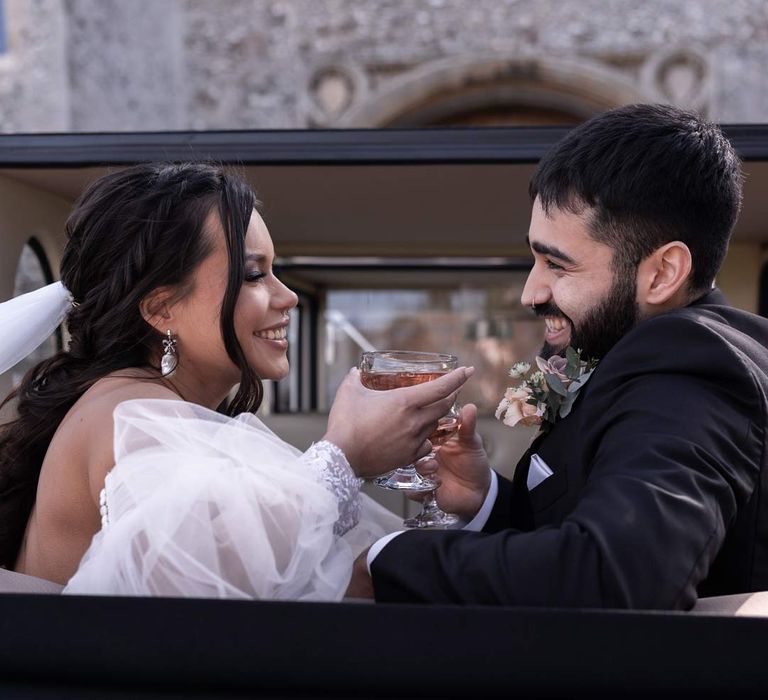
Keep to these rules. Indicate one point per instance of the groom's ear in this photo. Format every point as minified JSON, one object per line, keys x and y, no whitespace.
{"x":156,"y":308}
{"x":663,"y":277}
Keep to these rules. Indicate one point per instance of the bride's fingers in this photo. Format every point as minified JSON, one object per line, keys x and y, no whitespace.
{"x":439,"y":408}
{"x":424,"y":450}
{"x":430,"y":392}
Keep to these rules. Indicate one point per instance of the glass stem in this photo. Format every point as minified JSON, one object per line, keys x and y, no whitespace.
{"x":429,"y":504}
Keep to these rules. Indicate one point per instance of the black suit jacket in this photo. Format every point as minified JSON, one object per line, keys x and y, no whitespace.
{"x":658,"y":492}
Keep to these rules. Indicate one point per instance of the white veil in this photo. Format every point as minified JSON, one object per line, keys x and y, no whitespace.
{"x":28,"y":320}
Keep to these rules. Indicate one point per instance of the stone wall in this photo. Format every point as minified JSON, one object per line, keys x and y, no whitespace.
{"x":34,"y":91}
{"x":214,"y":64}
{"x":124,"y":63}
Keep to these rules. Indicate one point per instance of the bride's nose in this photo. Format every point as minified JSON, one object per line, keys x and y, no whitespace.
{"x":284,"y":297}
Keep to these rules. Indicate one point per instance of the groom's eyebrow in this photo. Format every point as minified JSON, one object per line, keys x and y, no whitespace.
{"x":550,"y":250}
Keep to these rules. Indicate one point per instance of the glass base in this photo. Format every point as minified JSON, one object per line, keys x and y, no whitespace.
{"x":435,"y":519}
{"x":405,"y":479}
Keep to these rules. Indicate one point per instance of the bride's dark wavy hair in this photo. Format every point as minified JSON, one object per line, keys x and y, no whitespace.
{"x":130,"y":232}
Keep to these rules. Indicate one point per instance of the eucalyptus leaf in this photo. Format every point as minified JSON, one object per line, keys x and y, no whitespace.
{"x":575,"y":385}
{"x":556,"y":385}
{"x":573,"y":363}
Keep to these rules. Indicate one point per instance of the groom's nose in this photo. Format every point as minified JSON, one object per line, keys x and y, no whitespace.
{"x":535,"y":290}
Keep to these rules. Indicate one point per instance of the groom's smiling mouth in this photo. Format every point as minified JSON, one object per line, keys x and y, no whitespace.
{"x":557,"y":330}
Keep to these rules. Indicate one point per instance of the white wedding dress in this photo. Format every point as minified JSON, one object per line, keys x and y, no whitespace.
{"x":202,"y":505}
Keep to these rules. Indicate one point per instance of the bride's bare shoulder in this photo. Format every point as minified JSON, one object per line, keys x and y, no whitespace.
{"x":86,"y":433}
{"x":100,"y":400}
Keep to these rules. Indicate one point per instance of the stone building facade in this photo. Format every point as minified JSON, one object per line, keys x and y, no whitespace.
{"x":135,"y":65}
{"x":111,"y":65}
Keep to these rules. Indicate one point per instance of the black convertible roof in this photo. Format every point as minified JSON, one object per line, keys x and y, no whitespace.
{"x":308,"y":147}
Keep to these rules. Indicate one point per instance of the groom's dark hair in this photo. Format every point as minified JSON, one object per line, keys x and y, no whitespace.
{"x":650,"y":174}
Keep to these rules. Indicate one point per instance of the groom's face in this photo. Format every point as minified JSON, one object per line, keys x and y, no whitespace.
{"x":585,"y":302}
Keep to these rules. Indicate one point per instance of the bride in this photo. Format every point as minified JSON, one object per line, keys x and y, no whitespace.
{"x":117,"y":475}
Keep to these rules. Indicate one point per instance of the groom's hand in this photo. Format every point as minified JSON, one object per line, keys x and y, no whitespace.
{"x":360,"y":585}
{"x":462,"y":469}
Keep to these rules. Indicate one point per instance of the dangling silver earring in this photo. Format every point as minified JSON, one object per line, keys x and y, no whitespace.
{"x":170,"y":359}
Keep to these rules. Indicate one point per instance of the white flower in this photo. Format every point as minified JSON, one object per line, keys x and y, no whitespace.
{"x":519,"y":369}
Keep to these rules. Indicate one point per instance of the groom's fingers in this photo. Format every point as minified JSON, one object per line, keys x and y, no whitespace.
{"x":426,"y":467}
{"x":468,"y":422}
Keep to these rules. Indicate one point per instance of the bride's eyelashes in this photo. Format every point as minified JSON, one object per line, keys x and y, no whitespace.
{"x":254,"y":276}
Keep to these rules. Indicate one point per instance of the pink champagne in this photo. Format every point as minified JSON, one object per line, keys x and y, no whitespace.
{"x":384,"y":381}
{"x":447,"y":427}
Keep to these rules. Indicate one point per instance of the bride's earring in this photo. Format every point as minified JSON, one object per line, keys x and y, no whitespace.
{"x":170,"y":359}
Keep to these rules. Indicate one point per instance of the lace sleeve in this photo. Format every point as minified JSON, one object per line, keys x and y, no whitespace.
{"x":329,"y":463}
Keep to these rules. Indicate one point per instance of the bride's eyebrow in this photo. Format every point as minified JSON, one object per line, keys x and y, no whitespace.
{"x":255,"y":257}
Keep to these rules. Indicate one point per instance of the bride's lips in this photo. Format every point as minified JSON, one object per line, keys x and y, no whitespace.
{"x":557,"y":330}
{"x":276,"y":335}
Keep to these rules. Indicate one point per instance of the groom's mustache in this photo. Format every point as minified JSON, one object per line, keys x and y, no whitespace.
{"x":549,"y":309}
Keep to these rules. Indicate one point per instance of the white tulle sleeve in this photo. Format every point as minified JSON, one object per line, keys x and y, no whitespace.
{"x":203,"y":505}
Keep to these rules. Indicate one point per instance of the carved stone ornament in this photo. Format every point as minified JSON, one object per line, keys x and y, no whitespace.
{"x":680,"y":76}
{"x":333,"y":87}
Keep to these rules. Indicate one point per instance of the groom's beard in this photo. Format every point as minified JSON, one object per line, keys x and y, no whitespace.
{"x":604,"y":325}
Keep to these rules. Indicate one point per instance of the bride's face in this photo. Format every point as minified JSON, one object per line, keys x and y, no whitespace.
{"x":261,"y":312}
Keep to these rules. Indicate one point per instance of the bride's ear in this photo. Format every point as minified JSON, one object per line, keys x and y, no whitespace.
{"x":156,"y":308}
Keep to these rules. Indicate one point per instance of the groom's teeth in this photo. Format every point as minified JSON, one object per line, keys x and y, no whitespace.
{"x":279,"y":334}
{"x":555,"y":325}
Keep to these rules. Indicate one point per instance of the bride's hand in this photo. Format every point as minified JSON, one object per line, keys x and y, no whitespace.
{"x":380,"y":430}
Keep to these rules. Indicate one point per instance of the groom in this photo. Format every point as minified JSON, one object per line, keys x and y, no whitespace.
{"x":654,"y":489}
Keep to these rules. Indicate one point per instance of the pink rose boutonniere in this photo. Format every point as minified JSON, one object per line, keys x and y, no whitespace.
{"x":547,"y":394}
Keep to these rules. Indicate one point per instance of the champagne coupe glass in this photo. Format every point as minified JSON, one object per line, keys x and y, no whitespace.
{"x":398,"y":368}
{"x":431,"y":515}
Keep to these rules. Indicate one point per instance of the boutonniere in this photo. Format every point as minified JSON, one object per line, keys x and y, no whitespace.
{"x":547,"y":394}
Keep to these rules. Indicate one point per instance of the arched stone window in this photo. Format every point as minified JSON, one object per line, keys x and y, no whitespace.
{"x":494,"y":90}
